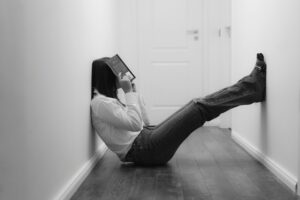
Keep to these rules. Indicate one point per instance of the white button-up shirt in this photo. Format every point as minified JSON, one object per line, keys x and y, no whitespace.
{"x":116,"y":124}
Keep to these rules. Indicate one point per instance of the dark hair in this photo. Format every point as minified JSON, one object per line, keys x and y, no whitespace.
{"x":103,"y":79}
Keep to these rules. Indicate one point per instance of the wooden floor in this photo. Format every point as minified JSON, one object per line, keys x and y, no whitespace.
{"x":208,"y":166}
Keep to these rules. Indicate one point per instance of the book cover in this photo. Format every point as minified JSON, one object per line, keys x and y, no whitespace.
{"x":118,"y":66}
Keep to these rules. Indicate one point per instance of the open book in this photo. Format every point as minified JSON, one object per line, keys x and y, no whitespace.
{"x":118,"y":66}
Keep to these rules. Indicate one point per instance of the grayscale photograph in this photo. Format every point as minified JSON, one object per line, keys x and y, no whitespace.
{"x":149,"y":99}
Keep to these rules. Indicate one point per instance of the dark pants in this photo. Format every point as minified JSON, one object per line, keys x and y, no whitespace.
{"x":155,"y":146}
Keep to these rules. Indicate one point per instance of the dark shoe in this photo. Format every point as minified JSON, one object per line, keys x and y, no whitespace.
{"x":262,"y":67}
{"x":259,"y":77}
{"x":260,"y":62}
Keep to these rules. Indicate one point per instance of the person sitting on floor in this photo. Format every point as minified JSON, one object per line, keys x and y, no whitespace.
{"x":121,"y":125}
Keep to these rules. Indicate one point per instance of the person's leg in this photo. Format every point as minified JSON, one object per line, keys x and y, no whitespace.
{"x":167,"y":119}
{"x":249,"y":89}
{"x":156,"y":146}
{"x":160,"y":144}
{"x":260,"y":65}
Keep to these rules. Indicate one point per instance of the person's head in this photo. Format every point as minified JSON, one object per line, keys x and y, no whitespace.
{"x":103,"y":79}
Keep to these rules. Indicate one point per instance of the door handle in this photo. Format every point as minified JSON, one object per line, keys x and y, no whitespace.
{"x":192,"y":32}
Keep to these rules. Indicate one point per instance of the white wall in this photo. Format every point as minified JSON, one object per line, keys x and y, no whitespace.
{"x":46,"y":50}
{"x":271,"y":27}
{"x":128,"y":36}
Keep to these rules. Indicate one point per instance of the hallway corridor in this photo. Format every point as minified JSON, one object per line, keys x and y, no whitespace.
{"x":208,"y":166}
{"x":178,"y":50}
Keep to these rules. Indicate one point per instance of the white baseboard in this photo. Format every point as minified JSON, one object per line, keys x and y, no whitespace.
{"x":70,"y":188}
{"x":276,"y":169}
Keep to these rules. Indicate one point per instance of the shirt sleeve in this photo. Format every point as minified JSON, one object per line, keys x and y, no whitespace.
{"x":113,"y":113}
{"x":144,"y":111}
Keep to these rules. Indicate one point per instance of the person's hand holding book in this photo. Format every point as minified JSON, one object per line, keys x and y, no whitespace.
{"x":125,"y":83}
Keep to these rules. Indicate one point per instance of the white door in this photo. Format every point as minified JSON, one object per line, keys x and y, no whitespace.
{"x":171,"y":54}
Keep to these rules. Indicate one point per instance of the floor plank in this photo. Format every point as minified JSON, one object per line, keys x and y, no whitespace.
{"x":209,"y":165}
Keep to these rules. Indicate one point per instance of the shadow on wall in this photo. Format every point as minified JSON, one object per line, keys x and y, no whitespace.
{"x":264,"y":121}
{"x":92,"y":141}
{"x":264,"y":127}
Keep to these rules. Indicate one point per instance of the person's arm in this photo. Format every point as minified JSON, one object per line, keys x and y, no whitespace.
{"x":142,"y":107}
{"x":114,"y":114}
{"x":144,"y":111}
